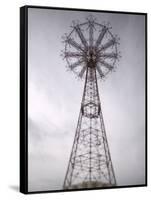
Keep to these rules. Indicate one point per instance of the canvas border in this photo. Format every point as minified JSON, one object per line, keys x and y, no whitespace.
{"x":24,"y":97}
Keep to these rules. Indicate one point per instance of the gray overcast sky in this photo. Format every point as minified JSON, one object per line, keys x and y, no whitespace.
{"x":55,"y":96}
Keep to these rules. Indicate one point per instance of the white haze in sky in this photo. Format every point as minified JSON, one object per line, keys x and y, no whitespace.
{"x":55,"y":97}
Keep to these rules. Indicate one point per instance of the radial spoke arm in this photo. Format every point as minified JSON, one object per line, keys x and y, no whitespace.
{"x":74,"y":44}
{"x":109,"y":55}
{"x":91,"y":34}
{"x":101,"y":36}
{"x":108,"y":44}
{"x":82,"y":71}
{"x":72,"y":66}
{"x":81,"y":36}
{"x":72,"y":54}
{"x":107,"y":65}
{"x":98,"y":68}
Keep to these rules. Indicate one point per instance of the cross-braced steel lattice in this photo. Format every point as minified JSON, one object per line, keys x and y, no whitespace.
{"x":90,"y":163}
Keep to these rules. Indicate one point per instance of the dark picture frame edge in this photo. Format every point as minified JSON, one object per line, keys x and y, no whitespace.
{"x":24,"y":98}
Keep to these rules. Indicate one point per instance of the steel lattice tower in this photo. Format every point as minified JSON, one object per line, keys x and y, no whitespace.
{"x":90,"y":163}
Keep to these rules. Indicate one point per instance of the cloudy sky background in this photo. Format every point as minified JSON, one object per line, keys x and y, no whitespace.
{"x":55,"y":96}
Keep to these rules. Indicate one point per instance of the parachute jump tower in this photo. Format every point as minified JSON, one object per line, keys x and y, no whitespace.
{"x":91,"y":52}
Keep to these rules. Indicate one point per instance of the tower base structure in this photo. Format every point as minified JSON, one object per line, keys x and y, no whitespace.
{"x":88,"y":185}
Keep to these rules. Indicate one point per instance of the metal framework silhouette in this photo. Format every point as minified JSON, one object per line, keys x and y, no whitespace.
{"x":91,"y":53}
